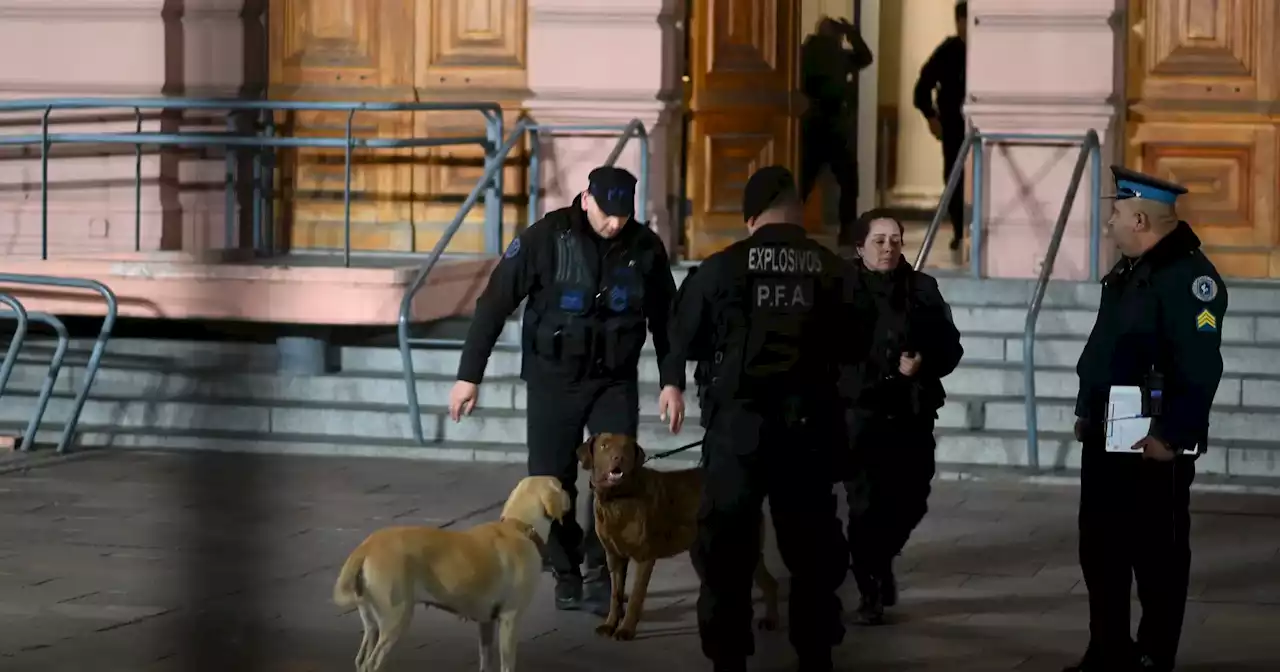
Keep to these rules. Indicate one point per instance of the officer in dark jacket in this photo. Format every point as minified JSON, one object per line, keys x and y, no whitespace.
{"x":895,"y":392}
{"x":944,"y":75}
{"x":773,"y":308}
{"x":593,"y":277}
{"x":1159,"y":329}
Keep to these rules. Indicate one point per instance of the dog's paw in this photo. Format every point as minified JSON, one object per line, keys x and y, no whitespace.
{"x":767,"y":624}
{"x":624,"y":634}
{"x":606,"y":629}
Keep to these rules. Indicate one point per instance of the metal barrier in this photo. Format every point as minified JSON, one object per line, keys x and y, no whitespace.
{"x":1089,"y":147}
{"x":19,"y":335}
{"x":978,"y":139}
{"x":263,"y":137}
{"x":95,"y":356}
{"x":635,"y":128}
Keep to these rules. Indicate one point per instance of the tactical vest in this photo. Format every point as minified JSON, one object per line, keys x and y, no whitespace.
{"x":595,"y":325}
{"x":764,"y":330}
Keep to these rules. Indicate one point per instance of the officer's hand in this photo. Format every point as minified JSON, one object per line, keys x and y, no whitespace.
{"x":1154,"y":449}
{"x":462,"y":399}
{"x":671,"y":407}
{"x":1082,"y":426}
{"x":909,"y":364}
{"x":935,"y":127}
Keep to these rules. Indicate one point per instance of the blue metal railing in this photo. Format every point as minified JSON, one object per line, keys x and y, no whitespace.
{"x":1090,"y":148}
{"x":55,"y":364}
{"x":978,"y":139}
{"x":263,"y":137}
{"x":633,"y":129}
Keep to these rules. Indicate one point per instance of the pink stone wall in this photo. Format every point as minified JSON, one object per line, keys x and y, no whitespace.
{"x":121,"y":48}
{"x":1044,"y":67}
{"x":592,"y":62}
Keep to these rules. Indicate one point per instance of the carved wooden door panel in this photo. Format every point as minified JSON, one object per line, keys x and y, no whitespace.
{"x":743,"y":106}
{"x":1203,"y":84}
{"x":344,"y":50}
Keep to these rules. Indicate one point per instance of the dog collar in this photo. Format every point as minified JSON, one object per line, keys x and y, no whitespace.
{"x":527,"y":530}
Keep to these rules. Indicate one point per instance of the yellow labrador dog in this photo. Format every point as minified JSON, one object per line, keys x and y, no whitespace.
{"x":486,"y":574}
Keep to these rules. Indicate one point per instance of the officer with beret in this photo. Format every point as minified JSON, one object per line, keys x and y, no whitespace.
{"x":771,"y":312}
{"x":1158,"y":331}
{"x":594,"y":277}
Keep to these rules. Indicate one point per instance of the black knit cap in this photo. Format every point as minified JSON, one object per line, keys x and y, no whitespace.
{"x":764,"y":188}
{"x":614,"y":190}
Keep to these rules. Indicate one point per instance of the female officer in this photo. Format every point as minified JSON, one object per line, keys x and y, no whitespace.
{"x":894,"y":393}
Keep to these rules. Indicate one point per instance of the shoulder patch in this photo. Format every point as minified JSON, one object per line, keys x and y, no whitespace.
{"x":1204,"y":288}
{"x":1206,"y":321}
{"x":513,"y":249}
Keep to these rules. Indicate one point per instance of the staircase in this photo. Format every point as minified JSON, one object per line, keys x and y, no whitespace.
{"x":227,"y":396}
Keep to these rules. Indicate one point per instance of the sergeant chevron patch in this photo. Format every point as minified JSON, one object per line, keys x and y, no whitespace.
{"x":1205,"y":321}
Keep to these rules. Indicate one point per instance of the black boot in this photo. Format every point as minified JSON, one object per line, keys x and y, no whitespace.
{"x":730,"y":665}
{"x":598,"y":589}
{"x":568,"y":591}
{"x":871,"y":606}
{"x":815,"y":662}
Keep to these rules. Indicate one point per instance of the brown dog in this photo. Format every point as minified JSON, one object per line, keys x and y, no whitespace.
{"x":644,"y":515}
{"x":486,"y":574}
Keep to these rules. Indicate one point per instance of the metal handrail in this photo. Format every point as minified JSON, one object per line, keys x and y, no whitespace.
{"x":50,"y":379}
{"x":1091,"y":147}
{"x":19,"y":313}
{"x":95,"y":357}
{"x":262,"y":177}
{"x":976,"y":138}
{"x":633,"y":129}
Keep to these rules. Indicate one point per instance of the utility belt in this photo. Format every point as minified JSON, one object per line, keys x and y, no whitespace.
{"x":589,"y":343}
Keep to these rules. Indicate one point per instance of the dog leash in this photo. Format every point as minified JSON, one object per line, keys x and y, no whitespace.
{"x":675,"y":451}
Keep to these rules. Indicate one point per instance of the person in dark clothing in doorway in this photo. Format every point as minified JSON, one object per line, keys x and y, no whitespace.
{"x":593,"y":277}
{"x":895,"y":392}
{"x":826,"y":66}
{"x":939,"y":95}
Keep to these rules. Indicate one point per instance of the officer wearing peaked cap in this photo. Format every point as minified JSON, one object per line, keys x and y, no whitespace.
{"x":1159,"y":331}
{"x":594,"y":278}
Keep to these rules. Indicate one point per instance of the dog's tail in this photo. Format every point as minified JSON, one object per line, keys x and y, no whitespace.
{"x":350,"y":585}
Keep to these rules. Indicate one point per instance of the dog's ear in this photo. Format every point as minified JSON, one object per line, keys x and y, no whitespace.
{"x":555,"y":501}
{"x":639,"y":452}
{"x":586,"y":452}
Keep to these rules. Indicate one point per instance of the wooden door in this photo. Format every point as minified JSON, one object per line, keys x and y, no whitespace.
{"x":1204,"y":79}
{"x":744,"y":109}
{"x":393,"y":50}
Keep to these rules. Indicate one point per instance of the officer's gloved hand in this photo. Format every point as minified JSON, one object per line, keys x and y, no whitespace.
{"x":1081,"y":429}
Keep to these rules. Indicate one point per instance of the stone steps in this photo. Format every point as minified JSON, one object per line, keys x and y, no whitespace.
{"x":227,"y":396}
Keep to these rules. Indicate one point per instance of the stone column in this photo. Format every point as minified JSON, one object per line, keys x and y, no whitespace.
{"x":1042,"y":67}
{"x":121,"y":48}
{"x":603,"y":63}
{"x":925,"y":24}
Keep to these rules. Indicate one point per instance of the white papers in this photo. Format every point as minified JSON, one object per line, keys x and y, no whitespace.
{"x":1125,"y":424}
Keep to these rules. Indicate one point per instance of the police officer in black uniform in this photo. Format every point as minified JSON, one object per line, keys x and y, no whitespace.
{"x":772,"y":307}
{"x":1159,"y":328}
{"x":593,"y":277}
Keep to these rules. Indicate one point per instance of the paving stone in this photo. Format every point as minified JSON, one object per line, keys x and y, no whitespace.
{"x":111,"y":564}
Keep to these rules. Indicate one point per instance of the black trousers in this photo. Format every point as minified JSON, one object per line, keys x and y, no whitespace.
{"x":889,"y":493}
{"x":952,"y":140}
{"x":747,"y":458}
{"x":558,"y":411}
{"x":1135,"y":521}
{"x":825,"y":142}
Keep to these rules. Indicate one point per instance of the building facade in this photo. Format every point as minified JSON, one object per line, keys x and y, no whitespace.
{"x":1186,"y":89}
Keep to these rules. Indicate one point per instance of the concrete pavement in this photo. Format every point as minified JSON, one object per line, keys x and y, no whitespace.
{"x":191,"y":561}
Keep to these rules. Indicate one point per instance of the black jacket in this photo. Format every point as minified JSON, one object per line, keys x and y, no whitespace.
{"x":771,"y":313}
{"x":943,"y":74}
{"x":907,"y":315}
{"x":825,"y":66}
{"x":1162,"y":311}
{"x":589,"y":300}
